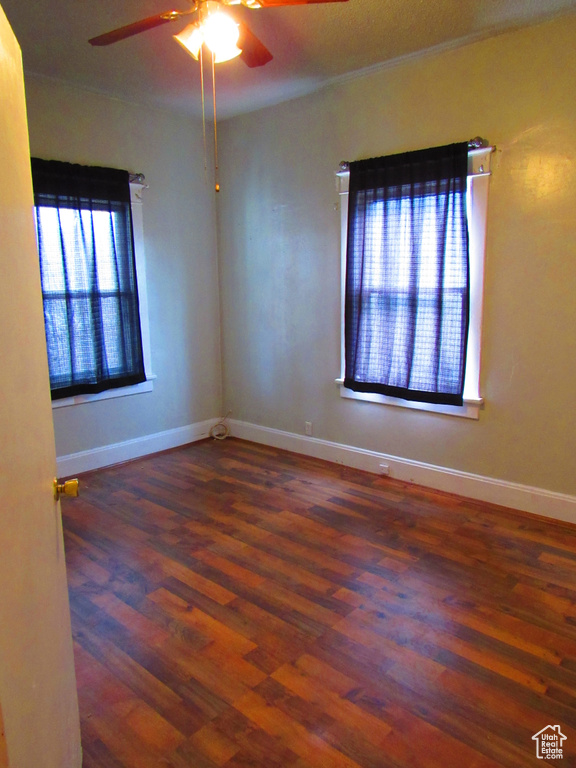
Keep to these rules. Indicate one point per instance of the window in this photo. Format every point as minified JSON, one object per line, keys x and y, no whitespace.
{"x":413,"y":238}
{"x":88,"y":270}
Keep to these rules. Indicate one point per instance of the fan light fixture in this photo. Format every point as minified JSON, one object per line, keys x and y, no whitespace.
{"x":215,"y":29}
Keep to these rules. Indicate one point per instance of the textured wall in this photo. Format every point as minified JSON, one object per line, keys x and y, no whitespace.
{"x":280,"y":264}
{"x":180,"y":244}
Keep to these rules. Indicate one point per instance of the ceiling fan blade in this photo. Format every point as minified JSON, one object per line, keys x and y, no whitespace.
{"x":254,"y":52}
{"x":134,"y":29}
{"x":273,"y":3}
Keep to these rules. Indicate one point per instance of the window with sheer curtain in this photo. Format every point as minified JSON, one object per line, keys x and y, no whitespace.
{"x":88,"y":274}
{"x":407,"y":276}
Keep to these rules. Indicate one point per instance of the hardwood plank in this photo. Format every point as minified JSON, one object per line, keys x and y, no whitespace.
{"x":288,"y":731}
{"x":342,"y":710}
{"x":213,"y":744}
{"x":216,"y":631}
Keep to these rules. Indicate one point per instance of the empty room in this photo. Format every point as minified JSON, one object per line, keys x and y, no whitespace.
{"x":288,"y":332}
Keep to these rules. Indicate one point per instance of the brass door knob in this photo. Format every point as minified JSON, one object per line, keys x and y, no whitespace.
{"x":68,"y":488}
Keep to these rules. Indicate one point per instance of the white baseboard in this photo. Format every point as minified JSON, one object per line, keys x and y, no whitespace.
{"x":85,"y":461}
{"x":539,"y":501}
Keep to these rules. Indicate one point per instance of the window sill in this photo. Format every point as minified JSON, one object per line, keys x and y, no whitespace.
{"x":470,"y":409}
{"x":136,"y":389}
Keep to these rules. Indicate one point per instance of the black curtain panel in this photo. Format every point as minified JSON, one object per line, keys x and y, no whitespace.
{"x":88,"y":273}
{"x":407,"y":276}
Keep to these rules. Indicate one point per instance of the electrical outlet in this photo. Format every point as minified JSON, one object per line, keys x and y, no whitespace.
{"x":384,"y":469}
{"x":308,"y":428}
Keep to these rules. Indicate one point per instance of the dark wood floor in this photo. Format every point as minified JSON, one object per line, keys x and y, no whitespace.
{"x":237,"y":606}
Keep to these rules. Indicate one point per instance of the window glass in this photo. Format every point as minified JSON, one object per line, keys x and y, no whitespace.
{"x":88,"y":273}
{"x":391,"y":280}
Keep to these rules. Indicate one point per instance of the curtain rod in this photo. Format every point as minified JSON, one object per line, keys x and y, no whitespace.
{"x":476,"y":143}
{"x":136,"y":178}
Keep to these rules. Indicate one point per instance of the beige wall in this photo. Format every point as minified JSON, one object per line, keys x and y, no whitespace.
{"x":179,"y":233}
{"x":280,"y":269}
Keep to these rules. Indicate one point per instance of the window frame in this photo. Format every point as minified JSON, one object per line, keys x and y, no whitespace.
{"x":136,"y":205}
{"x":477,"y":209}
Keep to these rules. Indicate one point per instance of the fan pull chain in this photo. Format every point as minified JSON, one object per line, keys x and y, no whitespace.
{"x":216,"y":169}
{"x":201,"y":58}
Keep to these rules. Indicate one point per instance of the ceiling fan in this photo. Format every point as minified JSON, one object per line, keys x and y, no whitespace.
{"x":225,"y":37}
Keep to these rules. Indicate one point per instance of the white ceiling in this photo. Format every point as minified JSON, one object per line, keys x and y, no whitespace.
{"x":311,"y":44}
